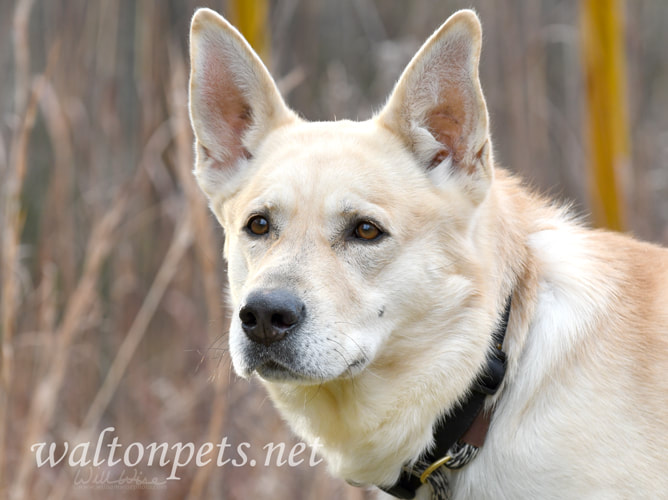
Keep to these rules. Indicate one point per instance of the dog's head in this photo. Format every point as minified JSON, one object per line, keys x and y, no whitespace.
{"x":343,"y":238}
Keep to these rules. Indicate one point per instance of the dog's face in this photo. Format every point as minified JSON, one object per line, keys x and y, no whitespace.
{"x":321,"y":246}
{"x":338,"y":233}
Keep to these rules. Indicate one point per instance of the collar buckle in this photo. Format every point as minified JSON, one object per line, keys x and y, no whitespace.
{"x":425,"y":475}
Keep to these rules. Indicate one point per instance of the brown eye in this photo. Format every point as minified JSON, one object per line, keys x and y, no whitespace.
{"x":367,"y":231}
{"x":258,"y":225}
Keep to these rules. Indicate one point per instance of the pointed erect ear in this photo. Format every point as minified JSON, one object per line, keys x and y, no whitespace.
{"x":437,"y":106}
{"x":234,"y":102}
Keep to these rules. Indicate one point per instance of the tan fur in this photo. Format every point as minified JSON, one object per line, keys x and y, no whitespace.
{"x":397,"y":329}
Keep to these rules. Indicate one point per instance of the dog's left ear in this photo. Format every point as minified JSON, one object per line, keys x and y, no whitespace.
{"x":438,"y":108}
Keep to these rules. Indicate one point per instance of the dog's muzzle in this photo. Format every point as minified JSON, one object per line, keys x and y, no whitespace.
{"x":279,"y":340}
{"x":269,"y":315}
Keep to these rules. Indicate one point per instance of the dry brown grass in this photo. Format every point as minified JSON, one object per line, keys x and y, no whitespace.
{"x":112,"y":279}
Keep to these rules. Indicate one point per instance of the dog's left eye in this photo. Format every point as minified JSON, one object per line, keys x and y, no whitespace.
{"x":367,"y":231}
{"x":258,"y":225}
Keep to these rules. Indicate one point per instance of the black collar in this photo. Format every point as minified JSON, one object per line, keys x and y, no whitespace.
{"x":453,"y":428}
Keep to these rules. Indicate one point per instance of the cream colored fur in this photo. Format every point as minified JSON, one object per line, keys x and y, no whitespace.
{"x":397,"y":329}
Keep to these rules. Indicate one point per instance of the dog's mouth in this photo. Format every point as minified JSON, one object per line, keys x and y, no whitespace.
{"x":274,"y":371}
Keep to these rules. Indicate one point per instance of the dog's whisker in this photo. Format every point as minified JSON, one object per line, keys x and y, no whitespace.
{"x":371,"y":371}
{"x":206,"y":354}
{"x":365,"y":358}
{"x":348,"y":368}
{"x":313,"y":396}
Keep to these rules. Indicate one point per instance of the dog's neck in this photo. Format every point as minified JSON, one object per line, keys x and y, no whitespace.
{"x":461,"y":432}
{"x":354,"y":438}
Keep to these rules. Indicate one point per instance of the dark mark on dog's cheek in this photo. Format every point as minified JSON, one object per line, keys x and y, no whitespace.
{"x":381,"y":312}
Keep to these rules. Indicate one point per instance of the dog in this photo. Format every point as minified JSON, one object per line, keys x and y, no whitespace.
{"x":385,"y":276}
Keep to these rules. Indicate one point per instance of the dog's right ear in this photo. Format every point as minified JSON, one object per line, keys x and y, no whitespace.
{"x":234,"y":102}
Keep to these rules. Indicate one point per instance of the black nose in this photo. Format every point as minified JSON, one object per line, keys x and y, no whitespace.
{"x":269,"y":315}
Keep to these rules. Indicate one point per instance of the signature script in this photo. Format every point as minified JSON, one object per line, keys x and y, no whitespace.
{"x":96,"y":478}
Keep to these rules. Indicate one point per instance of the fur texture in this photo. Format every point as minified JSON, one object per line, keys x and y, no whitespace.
{"x":396,"y":328}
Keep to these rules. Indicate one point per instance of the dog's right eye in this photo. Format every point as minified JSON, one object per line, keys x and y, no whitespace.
{"x":367,"y":231}
{"x":258,"y":225}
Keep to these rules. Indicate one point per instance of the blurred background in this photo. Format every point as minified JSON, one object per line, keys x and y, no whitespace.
{"x":113,"y":304}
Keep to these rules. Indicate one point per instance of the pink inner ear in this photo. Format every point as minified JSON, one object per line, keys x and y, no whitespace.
{"x":446,"y":123}
{"x":224,"y":112}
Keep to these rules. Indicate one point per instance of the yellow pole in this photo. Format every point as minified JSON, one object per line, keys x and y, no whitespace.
{"x":250,"y":17}
{"x":607,"y":116}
